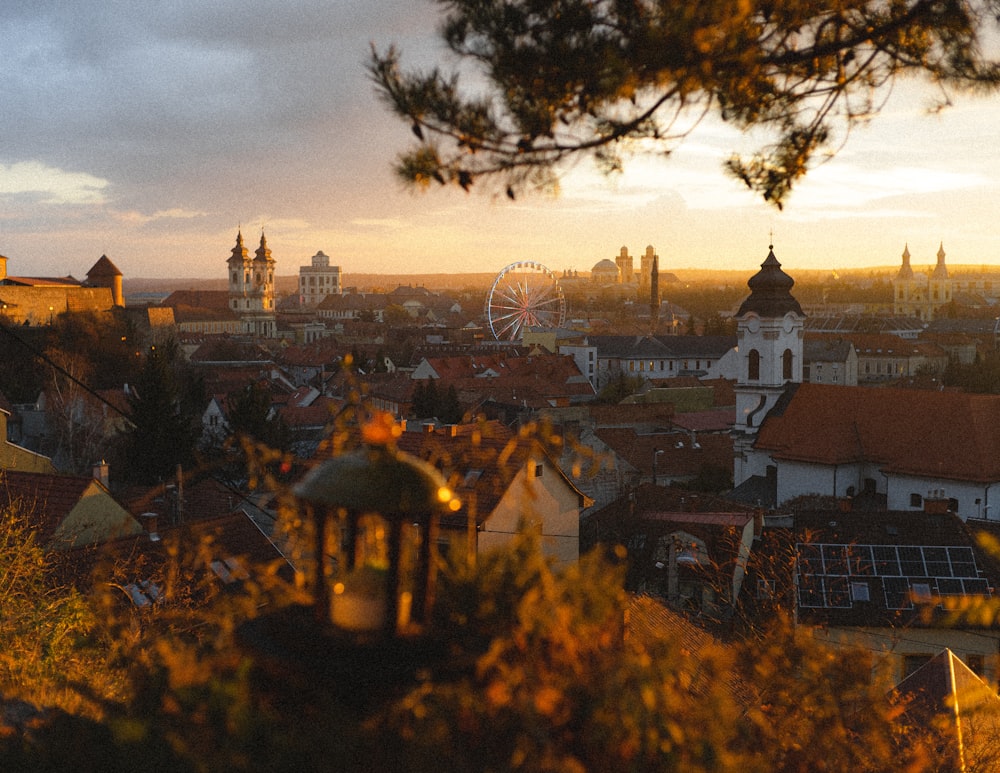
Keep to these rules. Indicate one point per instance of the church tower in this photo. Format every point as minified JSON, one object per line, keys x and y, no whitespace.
{"x":251,"y":288}
{"x":626,"y":271}
{"x":239,"y":276}
{"x":769,"y":330}
{"x":906,"y":293}
{"x":938,"y":286}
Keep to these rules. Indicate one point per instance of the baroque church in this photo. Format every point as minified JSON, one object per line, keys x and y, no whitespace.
{"x":251,"y":288}
{"x":917,"y":294}
{"x":872,"y":448}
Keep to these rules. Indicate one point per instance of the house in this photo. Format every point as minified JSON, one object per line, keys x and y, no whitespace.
{"x":674,"y":456}
{"x":67,"y":510}
{"x":887,"y":357}
{"x":503,"y":483}
{"x":961,"y":709}
{"x":14,"y":457}
{"x":884,"y":582}
{"x":898,"y":447}
{"x":650,"y":357}
{"x":904,"y":445}
{"x":512,"y":384}
{"x":690,"y":550}
{"x":829,"y":360}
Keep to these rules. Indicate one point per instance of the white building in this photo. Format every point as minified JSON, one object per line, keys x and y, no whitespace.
{"x":318,"y":280}
{"x":896,"y":448}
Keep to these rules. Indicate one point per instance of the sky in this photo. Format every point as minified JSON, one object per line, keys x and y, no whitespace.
{"x":151,"y":132}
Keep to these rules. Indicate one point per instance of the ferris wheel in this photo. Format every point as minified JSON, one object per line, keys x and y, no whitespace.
{"x":524,"y":294}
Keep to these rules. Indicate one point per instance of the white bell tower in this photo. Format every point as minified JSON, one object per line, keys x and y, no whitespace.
{"x":769,"y":330}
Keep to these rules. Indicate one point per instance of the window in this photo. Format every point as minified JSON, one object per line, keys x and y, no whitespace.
{"x":786,"y":365}
{"x":916,"y":500}
{"x":753,"y":365}
{"x":538,"y":469}
{"x":975,"y":663}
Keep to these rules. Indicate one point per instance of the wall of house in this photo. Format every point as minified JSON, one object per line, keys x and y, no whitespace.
{"x":14,"y":457}
{"x":797,"y":479}
{"x":533,"y":499}
{"x":972,"y":499}
{"x":97,"y":517}
{"x":890,"y":647}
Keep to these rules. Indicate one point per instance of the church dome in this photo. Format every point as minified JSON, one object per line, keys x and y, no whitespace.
{"x":770,"y":291}
{"x":605,"y":266}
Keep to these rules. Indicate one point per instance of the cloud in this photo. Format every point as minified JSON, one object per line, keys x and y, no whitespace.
{"x":176,"y":213}
{"x":51,"y":185}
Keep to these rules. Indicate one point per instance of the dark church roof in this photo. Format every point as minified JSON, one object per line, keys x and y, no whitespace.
{"x":770,"y":291}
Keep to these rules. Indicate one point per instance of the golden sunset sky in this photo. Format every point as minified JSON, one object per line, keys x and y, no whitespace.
{"x":151,"y":132}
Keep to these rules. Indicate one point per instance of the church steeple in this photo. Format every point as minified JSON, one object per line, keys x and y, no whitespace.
{"x":769,"y":331}
{"x":905,"y":271}
{"x":263,"y":252}
{"x":940,"y":270}
{"x":770,"y":291}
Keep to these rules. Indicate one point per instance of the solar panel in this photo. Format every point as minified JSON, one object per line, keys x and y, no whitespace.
{"x":833,"y":575}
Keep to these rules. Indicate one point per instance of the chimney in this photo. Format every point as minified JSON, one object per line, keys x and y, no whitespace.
{"x":149,"y":521}
{"x":101,"y":472}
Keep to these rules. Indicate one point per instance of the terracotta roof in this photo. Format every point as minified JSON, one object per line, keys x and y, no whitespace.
{"x":479,"y":461}
{"x":936,"y":434}
{"x":50,"y":497}
{"x":319,"y":413}
{"x":868,"y":344}
{"x":41,"y":281}
{"x":103,"y":267}
{"x":717,"y":420}
{"x":678,"y":457}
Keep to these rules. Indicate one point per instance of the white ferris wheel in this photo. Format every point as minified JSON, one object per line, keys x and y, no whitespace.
{"x":523,"y":295}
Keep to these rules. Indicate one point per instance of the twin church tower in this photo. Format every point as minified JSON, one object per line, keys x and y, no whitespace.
{"x":251,"y":288}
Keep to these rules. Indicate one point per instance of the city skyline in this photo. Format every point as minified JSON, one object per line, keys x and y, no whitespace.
{"x":152,"y":138}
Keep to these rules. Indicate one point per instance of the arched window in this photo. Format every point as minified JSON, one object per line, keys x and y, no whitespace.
{"x":753,"y":365}
{"x":786,"y":365}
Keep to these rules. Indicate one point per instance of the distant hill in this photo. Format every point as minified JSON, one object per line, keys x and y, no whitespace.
{"x":286,"y":285}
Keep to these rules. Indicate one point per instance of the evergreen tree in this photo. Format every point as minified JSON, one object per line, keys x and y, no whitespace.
{"x":164,"y":427}
{"x":250,"y":416}
{"x":555,"y":82}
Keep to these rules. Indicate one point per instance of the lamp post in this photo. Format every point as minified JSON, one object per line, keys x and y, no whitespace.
{"x":384,"y":497}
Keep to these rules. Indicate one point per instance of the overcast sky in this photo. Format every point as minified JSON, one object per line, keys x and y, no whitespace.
{"x":152,"y":131}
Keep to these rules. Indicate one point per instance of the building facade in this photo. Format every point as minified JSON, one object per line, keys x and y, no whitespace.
{"x":919,"y":295}
{"x":769,"y":332}
{"x":251,"y":288}
{"x":319,"y":280}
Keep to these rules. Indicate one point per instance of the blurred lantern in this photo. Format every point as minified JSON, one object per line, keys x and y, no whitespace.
{"x":383,"y":506}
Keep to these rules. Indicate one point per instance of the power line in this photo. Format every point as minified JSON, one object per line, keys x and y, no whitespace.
{"x":52,"y":364}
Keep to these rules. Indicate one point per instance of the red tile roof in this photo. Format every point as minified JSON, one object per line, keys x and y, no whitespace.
{"x":479,"y":461}
{"x":935,"y":434}
{"x":48,"y":498}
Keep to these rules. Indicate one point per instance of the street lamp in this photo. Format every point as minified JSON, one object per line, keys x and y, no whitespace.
{"x":388,"y":504}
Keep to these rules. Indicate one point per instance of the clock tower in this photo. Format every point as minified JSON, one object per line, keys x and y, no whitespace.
{"x":769,"y":330}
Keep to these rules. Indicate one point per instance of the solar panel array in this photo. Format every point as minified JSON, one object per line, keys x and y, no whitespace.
{"x":832,"y":576}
